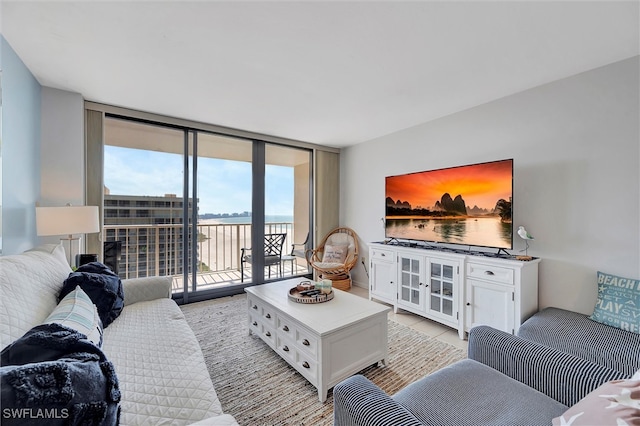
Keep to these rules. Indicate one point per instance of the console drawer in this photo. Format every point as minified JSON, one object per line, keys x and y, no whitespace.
{"x":490,"y":273}
{"x":382,"y":255}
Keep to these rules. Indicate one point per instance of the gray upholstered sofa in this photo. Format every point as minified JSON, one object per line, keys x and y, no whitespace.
{"x":558,"y":358}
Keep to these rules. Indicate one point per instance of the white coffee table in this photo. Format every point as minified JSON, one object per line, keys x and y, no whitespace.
{"x":325,"y":342}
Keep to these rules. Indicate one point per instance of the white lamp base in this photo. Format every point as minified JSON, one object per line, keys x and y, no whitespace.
{"x":70,"y":240}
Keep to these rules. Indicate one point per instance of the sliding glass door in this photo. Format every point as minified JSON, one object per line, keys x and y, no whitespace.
{"x":193,"y":205}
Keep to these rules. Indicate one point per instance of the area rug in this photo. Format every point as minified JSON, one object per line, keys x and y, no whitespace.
{"x":257,"y":387}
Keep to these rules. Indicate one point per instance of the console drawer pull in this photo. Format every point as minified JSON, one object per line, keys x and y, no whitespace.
{"x":254,"y":323}
{"x":306,"y":342}
{"x":285,"y":348}
{"x":306,"y":364}
{"x":285,"y":328}
{"x":268,"y":334}
{"x":255,"y":307}
{"x":268,"y":316}
{"x":489,"y":273}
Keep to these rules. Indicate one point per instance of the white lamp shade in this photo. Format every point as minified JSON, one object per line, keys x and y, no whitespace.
{"x":67,"y":220}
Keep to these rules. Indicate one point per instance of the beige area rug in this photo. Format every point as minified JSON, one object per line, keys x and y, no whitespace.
{"x":257,"y":387}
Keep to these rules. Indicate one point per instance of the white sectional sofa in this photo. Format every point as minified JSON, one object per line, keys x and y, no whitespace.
{"x":162,"y":375}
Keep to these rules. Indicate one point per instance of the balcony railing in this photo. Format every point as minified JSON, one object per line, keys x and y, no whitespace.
{"x":157,"y":250}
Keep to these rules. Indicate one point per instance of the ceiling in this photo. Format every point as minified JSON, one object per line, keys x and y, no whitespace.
{"x":335,"y":73}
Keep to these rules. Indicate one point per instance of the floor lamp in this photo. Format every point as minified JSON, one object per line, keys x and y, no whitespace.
{"x":67,"y":220}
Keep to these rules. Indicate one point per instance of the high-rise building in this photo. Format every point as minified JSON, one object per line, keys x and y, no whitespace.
{"x":150,"y":232}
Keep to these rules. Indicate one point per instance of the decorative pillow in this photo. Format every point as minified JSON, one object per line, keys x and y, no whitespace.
{"x":335,"y":253}
{"x":53,"y":375}
{"x":618,"y":302}
{"x":614,"y":403}
{"x":77,"y":311}
{"x":101,"y":285}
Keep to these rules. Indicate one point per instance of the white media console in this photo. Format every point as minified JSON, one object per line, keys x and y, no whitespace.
{"x":455,"y":288}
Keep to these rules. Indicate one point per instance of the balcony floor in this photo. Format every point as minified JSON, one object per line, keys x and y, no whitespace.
{"x":219,"y":279}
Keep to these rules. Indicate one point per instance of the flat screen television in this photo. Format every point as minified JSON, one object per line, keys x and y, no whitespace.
{"x":467,"y":205}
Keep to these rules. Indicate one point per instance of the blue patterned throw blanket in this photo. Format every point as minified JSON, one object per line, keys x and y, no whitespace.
{"x":53,"y":375}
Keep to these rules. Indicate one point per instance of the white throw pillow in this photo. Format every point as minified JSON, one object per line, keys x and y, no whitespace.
{"x":335,"y":253}
{"x":77,"y":311}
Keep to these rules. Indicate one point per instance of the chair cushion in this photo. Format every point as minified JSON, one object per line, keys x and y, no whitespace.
{"x":340,"y":238}
{"x":487,"y":397}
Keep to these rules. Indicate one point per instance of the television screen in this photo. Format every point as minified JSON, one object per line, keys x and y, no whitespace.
{"x":467,"y":205}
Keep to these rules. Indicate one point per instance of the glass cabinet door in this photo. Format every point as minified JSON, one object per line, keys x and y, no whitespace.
{"x":442,"y":277}
{"x":410,"y":284}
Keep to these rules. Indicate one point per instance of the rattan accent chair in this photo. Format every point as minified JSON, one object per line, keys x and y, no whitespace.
{"x":324,"y":259}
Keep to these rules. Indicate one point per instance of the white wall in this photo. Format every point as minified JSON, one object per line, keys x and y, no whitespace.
{"x":576,"y":150}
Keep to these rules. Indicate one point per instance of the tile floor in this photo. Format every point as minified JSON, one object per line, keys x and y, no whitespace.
{"x":423,"y":325}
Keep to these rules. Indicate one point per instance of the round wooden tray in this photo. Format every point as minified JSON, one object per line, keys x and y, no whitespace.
{"x":295,"y":296}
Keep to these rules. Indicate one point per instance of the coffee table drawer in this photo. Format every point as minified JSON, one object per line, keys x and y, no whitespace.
{"x":286,"y":328}
{"x":286,"y":349}
{"x":268,"y":334}
{"x":304,"y":341}
{"x":307,"y":367}
{"x":265,"y":313}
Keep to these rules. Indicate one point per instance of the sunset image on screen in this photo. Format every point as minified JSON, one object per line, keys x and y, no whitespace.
{"x":480,"y":185}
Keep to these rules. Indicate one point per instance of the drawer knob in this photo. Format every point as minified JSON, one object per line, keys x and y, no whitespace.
{"x":268,"y":316}
{"x":255,"y":307}
{"x":285,"y":328}
{"x":305,"y":364}
{"x":382,"y":254}
{"x":468,"y":304}
{"x":285,"y":348}
{"x":268,"y":334}
{"x":254,"y":323}
{"x":305,"y":342}
{"x":489,"y":273}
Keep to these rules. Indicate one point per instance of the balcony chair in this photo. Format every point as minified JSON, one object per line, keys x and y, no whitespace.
{"x":299,"y":250}
{"x":273,"y":244}
{"x":335,"y":256}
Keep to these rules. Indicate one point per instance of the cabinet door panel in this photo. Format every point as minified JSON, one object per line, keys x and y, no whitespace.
{"x":443,"y":284}
{"x":411,"y":288}
{"x":383,"y":281}
{"x":489,"y":304}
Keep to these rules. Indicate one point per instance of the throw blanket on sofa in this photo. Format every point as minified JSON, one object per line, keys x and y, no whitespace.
{"x":103,"y":287}
{"x":53,"y":375}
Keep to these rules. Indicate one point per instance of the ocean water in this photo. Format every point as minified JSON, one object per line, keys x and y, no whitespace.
{"x":247,"y":219}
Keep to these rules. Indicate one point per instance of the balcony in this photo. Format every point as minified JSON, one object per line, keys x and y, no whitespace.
{"x":157,"y":250}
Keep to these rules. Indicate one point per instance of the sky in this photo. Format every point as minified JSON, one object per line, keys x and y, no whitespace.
{"x":479,"y":185}
{"x":223,"y":186}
